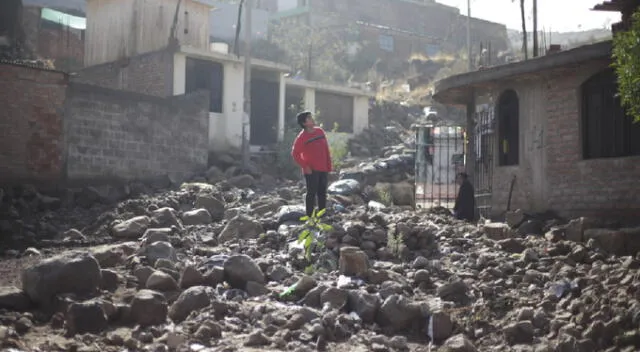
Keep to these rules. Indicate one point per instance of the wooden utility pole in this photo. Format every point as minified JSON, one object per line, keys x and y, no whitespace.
{"x":469,"y":63}
{"x":248,"y":7}
{"x":535,"y":28}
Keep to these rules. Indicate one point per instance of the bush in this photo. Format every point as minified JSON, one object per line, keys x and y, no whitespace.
{"x":626,"y":61}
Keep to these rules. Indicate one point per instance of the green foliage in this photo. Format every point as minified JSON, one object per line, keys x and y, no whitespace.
{"x":384,"y":195}
{"x":312,"y":229}
{"x":626,"y":62}
{"x":395,"y":242}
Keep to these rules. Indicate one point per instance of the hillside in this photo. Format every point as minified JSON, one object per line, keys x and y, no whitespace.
{"x":565,"y":39}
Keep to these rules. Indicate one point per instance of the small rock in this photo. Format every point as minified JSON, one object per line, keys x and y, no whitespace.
{"x":242,"y":181}
{"x":519,"y":333}
{"x":240,"y":227}
{"x":442,"y":326}
{"x":458,"y":343}
{"x":257,"y":339}
{"x":353,"y":262}
{"x":165,"y":217}
{"x":160,"y":250}
{"x":86,"y":317}
{"x":214,"y":206}
{"x":515,"y":218}
{"x":157,"y":235}
{"x":192,"y":299}
{"x":13,"y":298}
{"x":191,"y":277}
{"x":149,"y":308}
{"x":196,"y":217}
{"x":161,"y":281}
{"x":255,"y":289}
{"x":132,"y":228}
{"x":240,"y":269}
{"x":109,"y":280}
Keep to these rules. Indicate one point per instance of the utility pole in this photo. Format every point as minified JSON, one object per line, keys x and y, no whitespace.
{"x":248,"y":7}
{"x":470,"y":66}
{"x":535,"y":28}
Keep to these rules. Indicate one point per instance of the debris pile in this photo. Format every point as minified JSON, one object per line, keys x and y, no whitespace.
{"x":218,"y":268}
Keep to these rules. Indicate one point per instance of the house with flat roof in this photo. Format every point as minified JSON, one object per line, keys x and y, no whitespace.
{"x":549,"y":133}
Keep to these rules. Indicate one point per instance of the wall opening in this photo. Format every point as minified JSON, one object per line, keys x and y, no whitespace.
{"x":508,"y":128}
{"x":607,"y":131}
{"x":206,"y":75}
{"x":265,"y":98}
{"x":335,"y":109}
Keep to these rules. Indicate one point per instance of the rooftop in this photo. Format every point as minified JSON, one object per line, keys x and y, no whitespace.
{"x":457,"y":89}
{"x":303,"y":83}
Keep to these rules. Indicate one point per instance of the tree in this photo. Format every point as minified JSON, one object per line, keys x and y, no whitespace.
{"x":314,"y":51}
{"x":525,"y":48}
{"x":626,"y":62}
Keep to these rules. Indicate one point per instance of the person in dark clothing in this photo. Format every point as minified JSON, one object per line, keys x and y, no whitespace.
{"x":465,"y":207}
{"x":310,"y":150}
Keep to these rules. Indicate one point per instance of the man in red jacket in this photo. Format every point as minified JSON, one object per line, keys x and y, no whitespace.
{"x":311,"y":151}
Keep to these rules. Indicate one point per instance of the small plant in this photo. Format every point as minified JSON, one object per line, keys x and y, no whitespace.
{"x":626,"y":62}
{"x":395,"y":242}
{"x":384,"y":195}
{"x":312,"y":235}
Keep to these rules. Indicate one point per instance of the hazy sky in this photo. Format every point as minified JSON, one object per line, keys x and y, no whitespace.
{"x":559,"y":15}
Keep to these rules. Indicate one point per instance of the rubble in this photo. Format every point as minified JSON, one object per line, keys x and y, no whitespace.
{"x":214,"y":267}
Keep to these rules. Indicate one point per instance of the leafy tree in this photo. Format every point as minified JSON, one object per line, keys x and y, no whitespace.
{"x":626,"y":62}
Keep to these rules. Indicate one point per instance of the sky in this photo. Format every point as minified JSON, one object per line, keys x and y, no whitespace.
{"x":557,"y":15}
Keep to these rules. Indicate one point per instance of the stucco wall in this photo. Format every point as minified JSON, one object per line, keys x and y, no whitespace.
{"x":552,"y":174}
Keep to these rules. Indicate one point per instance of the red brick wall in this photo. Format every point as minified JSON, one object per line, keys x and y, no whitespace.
{"x":150,"y":74}
{"x":31,"y":139}
{"x":597,"y":187}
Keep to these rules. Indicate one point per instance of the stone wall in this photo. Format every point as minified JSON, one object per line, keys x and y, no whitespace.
{"x":31,"y":141}
{"x":122,"y":135}
{"x":150,"y":74}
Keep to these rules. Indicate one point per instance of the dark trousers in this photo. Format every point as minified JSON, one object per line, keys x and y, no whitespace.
{"x":316,"y":187}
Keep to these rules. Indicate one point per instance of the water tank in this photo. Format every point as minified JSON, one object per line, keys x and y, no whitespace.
{"x":220,"y":47}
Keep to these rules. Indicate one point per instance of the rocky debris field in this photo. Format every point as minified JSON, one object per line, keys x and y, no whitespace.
{"x":217,"y":268}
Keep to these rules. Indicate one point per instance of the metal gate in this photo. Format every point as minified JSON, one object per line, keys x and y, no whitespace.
{"x":483,"y":172}
{"x":439,"y":158}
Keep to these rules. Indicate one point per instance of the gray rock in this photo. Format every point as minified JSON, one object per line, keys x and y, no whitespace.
{"x":165,"y":217}
{"x":240,"y":269}
{"x":278,"y":273}
{"x":132,"y":228}
{"x":240,"y":227}
{"x":242,"y":181}
{"x":334,"y":297}
{"x":515,"y":218}
{"x":86,"y":317}
{"x":397,"y":313}
{"x":13,"y":298}
{"x":190,"y":276}
{"x":364,"y":304}
{"x":109,"y":256}
{"x":157,"y":235}
{"x":214,"y":206}
{"x":192,"y":299}
{"x":161,"y":281}
{"x":110,"y":280}
{"x":159,"y":250}
{"x":149,"y":308}
{"x":255,"y":289}
{"x":196,"y":217}
{"x":458,"y":343}
{"x":519,"y":333}
{"x":73,"y":272}
{"x":142,"y":274}
{"x":353,"y":262}
{"x":442,"y":326}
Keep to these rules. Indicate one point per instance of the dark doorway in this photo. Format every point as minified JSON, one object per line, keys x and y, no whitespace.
{"x":508,"y":128}
{"x":265,"y":96}
{"x":335,"y":109}
{"x":206,"y":75}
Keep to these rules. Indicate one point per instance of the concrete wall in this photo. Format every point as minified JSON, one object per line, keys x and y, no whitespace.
{"x":222,"y":22}
{"x":149,"y":74}
{"x":122,"y":135}
{"x":31,"y":141}
{"x":552,"y":173}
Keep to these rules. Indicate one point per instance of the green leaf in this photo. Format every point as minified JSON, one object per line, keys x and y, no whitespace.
{"x":325,"y":227}
{"x":289,"y":291}
{"x":313,"y":215}
{"x":321,"y":212}
{"x":307,"y":242}
{"x":304,"y":218}
{"x":304,"y":235}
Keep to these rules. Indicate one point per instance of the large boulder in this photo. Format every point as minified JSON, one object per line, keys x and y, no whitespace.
{"x":214,"y":206}
{"x":73,"y":272}
{"x":192,"y":299}
{"x":149,"y":308}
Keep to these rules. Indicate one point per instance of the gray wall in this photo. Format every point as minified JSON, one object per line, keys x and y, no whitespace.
{"x":224,"y":18}
{"x":117,"y":135}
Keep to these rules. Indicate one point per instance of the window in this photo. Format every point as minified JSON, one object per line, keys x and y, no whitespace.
{"x":386,"y":42}
{"x":607,"y":131}
{"x":206,"y":75}
{"x":508,"y":128}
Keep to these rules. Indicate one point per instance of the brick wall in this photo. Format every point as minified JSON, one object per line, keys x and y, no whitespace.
{"x":597,"y":187}
{"x":150,"y":73}
{"x":122,"y":135}
{"x":31,"y":143}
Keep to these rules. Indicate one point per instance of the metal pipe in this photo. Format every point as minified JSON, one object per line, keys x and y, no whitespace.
{"x":247,"y":84}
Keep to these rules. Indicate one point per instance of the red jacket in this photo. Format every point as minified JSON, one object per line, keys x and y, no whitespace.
{"x":311,"y":149}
